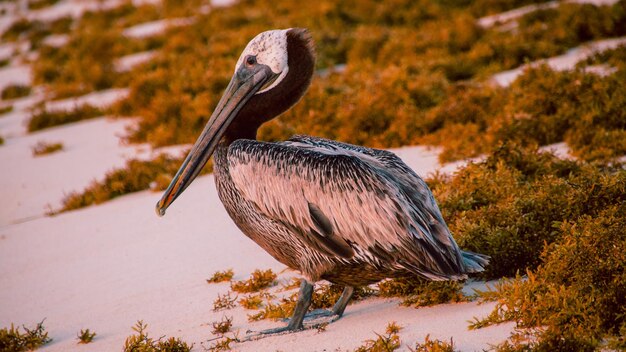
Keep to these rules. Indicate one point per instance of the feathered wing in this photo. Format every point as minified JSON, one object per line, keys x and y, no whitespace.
{"x":348,"y":201}
{"x":415,"y":187}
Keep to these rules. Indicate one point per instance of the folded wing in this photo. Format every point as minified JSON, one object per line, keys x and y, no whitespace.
{"x":348,"y":201}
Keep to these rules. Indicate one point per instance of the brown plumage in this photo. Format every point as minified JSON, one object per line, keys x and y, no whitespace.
{"x":348,"y":214}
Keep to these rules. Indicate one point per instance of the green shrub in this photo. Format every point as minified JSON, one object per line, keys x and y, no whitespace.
{"x":491,"y":7}
{"x":136,"y":176}
{"x":83,"y":65}
{"x":545,"y":33}
{"x":122,"y":16}
{"x":33,"y":31}
{"x":613,"y":57}
{"x":363,"y":116}
{"x":61,"y":25}
{"x":402,"y":74}
{"x":17,"y":29}
{"x":462,"y":122}
{"x":86,"y":62}
{"x":15,"y":91}
{"x":585,"y":110}
{"x":174,"y":104}
{"x":541,"y":107}
{"x":576,"y":297}
{"x":401,"y":63}
{"x":508,"y":205}
{"x":42,"y":118}
{"x":11,"y":339}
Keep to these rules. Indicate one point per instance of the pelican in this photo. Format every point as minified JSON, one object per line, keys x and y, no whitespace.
{"x":343,"y":213}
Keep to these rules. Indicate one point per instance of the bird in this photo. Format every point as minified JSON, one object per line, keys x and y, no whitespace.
{"x":333,"y":211}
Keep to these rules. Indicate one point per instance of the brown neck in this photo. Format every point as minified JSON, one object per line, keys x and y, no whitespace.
{"x":265,"y":106}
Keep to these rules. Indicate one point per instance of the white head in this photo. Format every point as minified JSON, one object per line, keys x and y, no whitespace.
{"x":269,"y":48}
{"x":263,"y":66}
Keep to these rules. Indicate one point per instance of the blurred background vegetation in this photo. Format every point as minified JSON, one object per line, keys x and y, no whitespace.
{"x":411,"y":71}
{"x":394,"y":73}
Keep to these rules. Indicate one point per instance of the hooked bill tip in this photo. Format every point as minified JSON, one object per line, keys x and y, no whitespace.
{"x":159,"y":210}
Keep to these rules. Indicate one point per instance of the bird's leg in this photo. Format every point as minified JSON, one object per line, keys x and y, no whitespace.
{"x":342,"y":302}
{"x":314,"y":318}
{"x":336,"y":312}
{"x":302,"y":306}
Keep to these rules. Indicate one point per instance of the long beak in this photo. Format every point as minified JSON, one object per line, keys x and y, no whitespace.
{"x":244,"y":84}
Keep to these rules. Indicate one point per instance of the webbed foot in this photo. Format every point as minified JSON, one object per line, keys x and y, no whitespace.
{"x":256,"y":335}
{"x":301,"y":321}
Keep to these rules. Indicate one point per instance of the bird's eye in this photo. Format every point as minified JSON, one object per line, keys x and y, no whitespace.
{"x":250,"y":60}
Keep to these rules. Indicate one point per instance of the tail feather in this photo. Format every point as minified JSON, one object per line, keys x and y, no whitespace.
{"x":474,"y":262}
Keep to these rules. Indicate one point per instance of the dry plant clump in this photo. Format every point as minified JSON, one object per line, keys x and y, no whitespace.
{"x":259,"y":280}
{"x":435,"y":345}
{"x":254,"y":301}
{"x":142,"y":342}
{"x":85,"y":336}
{"x":42,"y":118}
{"x":223,"y":326}
{"x":221,"y":276}
{"x":275,"y":311}
{"x":6,"y":109}
{"x":222,"y":344}
{"x":43,"y":148}
{"x":611,"y":59}
{"x":322,"y":327}
{"x":388,"y":342}
{"x":40,"y":4}
{"x":137,"y":175}
{"x":35,"y":31}
{"x":224,"y":301}
{"x":421,"y":293}
{"x":14,"y":91}
{"x":292,"y":284}
{"x":326,"y":295}
{"x":11,"y":339}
